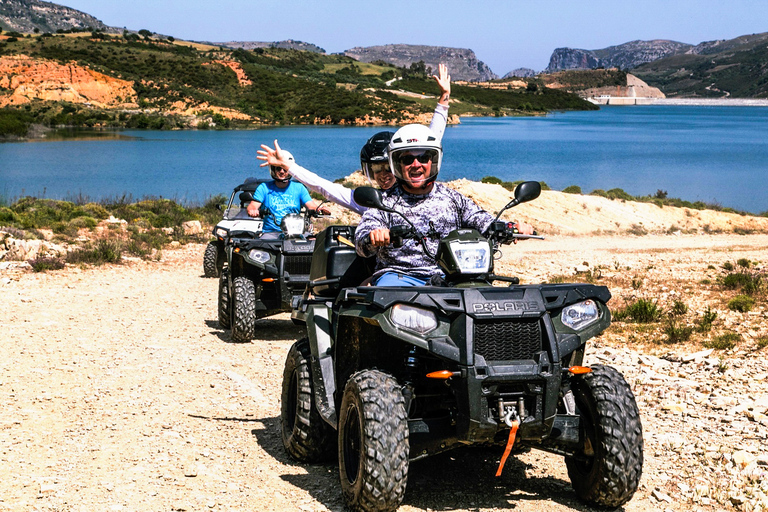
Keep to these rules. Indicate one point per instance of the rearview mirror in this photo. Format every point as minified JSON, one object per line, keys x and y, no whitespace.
{"x":369,"y":197}
{"x":527,"y":191}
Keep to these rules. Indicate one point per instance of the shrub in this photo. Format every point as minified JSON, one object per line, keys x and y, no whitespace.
{"x":724,"y":341}
{"x":743,"y":262}
{"x":728,"y":266}
{"x":641,"y":311}
{"x":679,"y":308}
{"x":762,"y":342}
{"x":45,"y":264}
{"x":677,"y":334}
{"x":105,"y":251}
{"x":741,"y":303}
{"x":573,"y":189}
{"x":750,"y":284}
{"x":706,"y":320}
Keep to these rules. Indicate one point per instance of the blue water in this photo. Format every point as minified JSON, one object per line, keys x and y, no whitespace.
{"x":712,"y":154}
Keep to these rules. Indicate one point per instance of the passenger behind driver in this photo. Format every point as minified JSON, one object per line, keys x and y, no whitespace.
{"x":281,"y":197}
{"x":373,"y":155}
{"x":415,"y":155}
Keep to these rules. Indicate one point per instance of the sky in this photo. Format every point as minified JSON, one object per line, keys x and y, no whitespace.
{"x":505,"y":34}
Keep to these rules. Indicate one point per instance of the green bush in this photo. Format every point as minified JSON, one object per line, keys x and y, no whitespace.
{"x":679,"y":308}
{"x":641,"y":311}
{"x":573,"y":189}
{"x":45,"y":264}
{"x":677,"y":333}
{"x":750,"y":284}
{"x":105,"y":251}
{"x":743,"y":262}
{"x":741,"y":303}
{"x":724,"y":341}
{"x":706,"y":320}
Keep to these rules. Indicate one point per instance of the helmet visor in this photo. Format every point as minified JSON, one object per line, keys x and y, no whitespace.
{"x":424,"y":157}
{"x":371,"y":169}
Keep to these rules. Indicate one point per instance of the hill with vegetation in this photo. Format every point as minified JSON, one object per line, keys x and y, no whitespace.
{"x":141,"y":80}
{"x":35,"y":16}
{"x":734,"y":68}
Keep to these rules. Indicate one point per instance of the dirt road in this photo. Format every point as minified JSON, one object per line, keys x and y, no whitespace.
{"x":120,"y":392}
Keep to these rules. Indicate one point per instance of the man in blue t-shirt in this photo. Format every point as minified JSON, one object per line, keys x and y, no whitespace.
{"x":281,"y":197}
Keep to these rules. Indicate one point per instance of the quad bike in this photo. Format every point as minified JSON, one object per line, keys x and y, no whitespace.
{"x":398,"y":374}
{"x":235,"y":218}
{"x":262,"y":274}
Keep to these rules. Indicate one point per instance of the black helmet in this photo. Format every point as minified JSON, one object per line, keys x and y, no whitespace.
{"x":375,"y":152}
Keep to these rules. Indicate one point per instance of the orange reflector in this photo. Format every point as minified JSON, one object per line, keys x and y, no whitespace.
{"x":579,"y":370}
{"x":237,"y":249}
{"x":268,"y":280}
{"x":442,"y":374}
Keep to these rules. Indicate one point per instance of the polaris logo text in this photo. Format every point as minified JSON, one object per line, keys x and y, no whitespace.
{"x":489,"y":307}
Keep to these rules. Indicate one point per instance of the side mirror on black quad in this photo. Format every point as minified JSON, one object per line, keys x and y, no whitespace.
{"x":369,"y":197}
{"x":527,"y":191}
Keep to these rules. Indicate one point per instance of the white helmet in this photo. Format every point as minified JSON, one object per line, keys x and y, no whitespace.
{"x":408,"y":141}
{"x":286,"y":156}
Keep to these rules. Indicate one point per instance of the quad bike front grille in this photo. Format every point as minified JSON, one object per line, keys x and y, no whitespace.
{"x":507,"y":340}
{"x":297,"y":264}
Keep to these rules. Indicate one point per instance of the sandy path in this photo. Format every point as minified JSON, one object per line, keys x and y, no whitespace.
{"x":120,"y":392}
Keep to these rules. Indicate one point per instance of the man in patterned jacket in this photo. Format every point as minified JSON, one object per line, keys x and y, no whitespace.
{"x":415,"y":155}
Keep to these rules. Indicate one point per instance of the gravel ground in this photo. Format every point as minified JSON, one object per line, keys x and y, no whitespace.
{"x":120,"y":392}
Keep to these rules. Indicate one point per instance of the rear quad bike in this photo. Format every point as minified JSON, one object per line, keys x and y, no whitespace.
{"x":262,"y":274}
{"x":398,"y":374}
{"x":234,"y":218}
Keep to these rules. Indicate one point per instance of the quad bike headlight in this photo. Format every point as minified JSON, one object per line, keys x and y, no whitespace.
{"x":222,"y":232}
{"x":471,"y":257}
{"x":580,"y":315}
{"x":258,"y":255}
{"x":412,"y":318}
{"x":293,"y":224}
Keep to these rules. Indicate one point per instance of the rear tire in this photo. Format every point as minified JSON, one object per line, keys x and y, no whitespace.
{"x":213,"y":260}
{"x":373,"y":442}
{"x":243,"y":310}
{"x":612,"y":439}
{"x":225,"y":315}
{"x":306,"y":436}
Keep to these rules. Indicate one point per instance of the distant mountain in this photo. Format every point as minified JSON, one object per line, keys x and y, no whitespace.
{"x":521,"y":73}
{"x":624,"y":56}
{"x":734,"y":68}
{"x":462,"y":62}
{"x":35,"y":15}
{"x":288,"y":43}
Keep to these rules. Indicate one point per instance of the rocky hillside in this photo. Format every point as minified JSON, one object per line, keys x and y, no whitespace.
{"x":624,"y":56}
{"x":288,"y":43}
{"x":34,"y":15}
{"x":462,"y":62}
{"x":520,"y":73}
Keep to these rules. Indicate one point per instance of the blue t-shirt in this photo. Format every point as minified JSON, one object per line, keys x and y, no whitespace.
{"x":280,"y":201}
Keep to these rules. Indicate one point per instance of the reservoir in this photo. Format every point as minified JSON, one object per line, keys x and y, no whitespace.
{"x":714,"y":154}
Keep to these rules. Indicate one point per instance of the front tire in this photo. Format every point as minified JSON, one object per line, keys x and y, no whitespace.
{"x":373,"y":442}
{"x":608,"y":472}
{"x":213,"y":260}
{"x":225,"y":314}
{"x":306,"y":437}
{"x":243,"y":310}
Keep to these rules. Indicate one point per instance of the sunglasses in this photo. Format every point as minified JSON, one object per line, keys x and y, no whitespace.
{"x":382,"y":167}
{"x":276,"y":168}
{"x":422,"y":158}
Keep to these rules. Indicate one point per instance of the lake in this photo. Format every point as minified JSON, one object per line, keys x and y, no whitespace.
{"x":715,"y":154}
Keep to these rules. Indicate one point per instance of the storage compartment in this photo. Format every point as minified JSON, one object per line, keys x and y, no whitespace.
{"x":336,"y":260}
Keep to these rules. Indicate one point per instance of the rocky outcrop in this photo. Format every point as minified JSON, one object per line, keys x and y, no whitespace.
{"x":38,"y":79}
{"x":624,"y":56}
{"x":521,"y":73}
{"x":288,"y":43}
{"x":462,"y":62}
{"x":28,"y":15}
{"x":635,"y":88}
{"x":20,"y":249}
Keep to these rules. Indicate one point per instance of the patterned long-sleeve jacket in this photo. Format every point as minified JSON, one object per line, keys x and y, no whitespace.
{"x":435,"y":214}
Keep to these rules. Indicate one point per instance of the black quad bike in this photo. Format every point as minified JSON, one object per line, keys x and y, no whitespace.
{"x":262,"y":274}
{"x":398,"y":374}
{"x":234,"y":218}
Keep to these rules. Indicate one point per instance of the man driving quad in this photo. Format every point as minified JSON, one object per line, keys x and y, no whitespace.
{"x":415,"y":156}
{"x":281,"y":197}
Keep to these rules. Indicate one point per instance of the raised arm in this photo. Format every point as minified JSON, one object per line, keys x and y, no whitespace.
{"x":440,"y":117}
{"x":334,"y":192}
